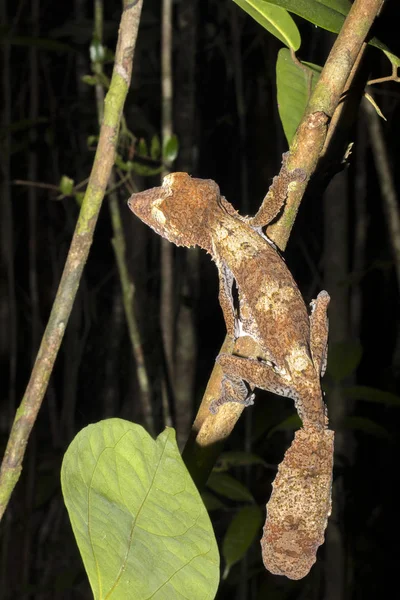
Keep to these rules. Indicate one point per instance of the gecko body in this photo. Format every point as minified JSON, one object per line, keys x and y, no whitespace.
{"x":189,"y":212}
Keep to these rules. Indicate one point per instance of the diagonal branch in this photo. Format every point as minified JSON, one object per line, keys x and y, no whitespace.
{"x":81,"y":242}
{"x":210,"y":431}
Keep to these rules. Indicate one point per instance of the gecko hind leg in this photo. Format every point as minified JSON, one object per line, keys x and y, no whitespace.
{"x":233,"y":389}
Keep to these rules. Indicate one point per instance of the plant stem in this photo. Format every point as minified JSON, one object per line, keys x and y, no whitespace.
{"x":81,"y":242}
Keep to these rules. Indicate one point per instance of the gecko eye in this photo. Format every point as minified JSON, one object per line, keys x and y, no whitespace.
{"x":156,"y":211}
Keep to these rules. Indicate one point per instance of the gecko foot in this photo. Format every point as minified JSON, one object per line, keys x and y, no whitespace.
{"x":232,"y":390}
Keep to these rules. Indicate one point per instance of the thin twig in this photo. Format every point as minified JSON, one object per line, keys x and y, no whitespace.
{"x":167,"y":252}
{"x":118,"y":243}
{"x":386,"y":181}
{"x":81,"y":242}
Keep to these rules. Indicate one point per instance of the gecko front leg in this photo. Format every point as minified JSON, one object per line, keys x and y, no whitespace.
{"x":233,"y":389}
{"x":277,"y":194}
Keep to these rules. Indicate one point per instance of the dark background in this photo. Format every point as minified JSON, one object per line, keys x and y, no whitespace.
{"x":341,"y":242}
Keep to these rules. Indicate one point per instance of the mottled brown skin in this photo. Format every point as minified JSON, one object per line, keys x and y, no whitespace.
{"x":292,"y":346}
{"x":300,"y":504}
{"x":192,"y":212}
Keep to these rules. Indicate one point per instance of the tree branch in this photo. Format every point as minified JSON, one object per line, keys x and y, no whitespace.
{"x":210,"y":431}
{"x":81,"y":242}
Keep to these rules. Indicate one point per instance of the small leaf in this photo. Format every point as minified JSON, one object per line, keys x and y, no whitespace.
{"x":139,"y":521}
{"x":369,"y":394}
{"x":241,"y":533}
{"x":142,"y":149}
{"x":23,"y":124}
{"x":290,"y":424}
{"x":274,"y":19}
{"x":90,"y":79}
{"x":227,"y":460}
{"x":211,"y":502}
{"x":155,"y":147}
{"x":343,"y":359}
{"x":79,"y":196}
{"x":97,"y":51}
{"x":376,"y":107}
{"x":366,"y":425}
{"x":66,"y":185}
{"x":92,"y":140}
{"x":294,"y":86}
{"x":126,"y":166}
{"x":229,"y":487}
{"x":145,"y":170}
{"x":41,"y":44}
{"x":170,"y":149}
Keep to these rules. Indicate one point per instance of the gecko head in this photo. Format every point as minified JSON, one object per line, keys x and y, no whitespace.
{"x":179,"y":209}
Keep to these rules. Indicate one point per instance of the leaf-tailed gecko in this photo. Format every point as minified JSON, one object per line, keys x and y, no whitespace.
{"x":292,"y":345}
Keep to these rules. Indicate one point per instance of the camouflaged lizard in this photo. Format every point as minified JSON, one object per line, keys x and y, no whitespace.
{"x":292,"y":347}
{"x":270,"y":309}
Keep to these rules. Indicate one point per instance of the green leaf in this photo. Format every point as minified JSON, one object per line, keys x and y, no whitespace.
{"x":92,"y":140}
{"x":145,"y":170}
{"x":372,"y":101}
{"x":211,"y":502}
{"x":229,"y":487}
{"x":142,"y":149}
{"x":66,"y":185}
{"x":290,"y":424}
{"x":35,"y":42}
{"x":79,"y":196}
{"x":343,"y":359}
{"x":139,"y":521}
{"x":366,"y":425}
{"x":126,"y":166}
{"x":23,"y":124}
{"x":97,"y":51}
{"x":155,"y":147}
{"x":240,"y":534}
{"x":294,"y":85}
{"x":330,"y":15}
{"x":90,"y":79}
{"x":369,"y":394}
{"x":227,"y":460}
{"x":274,"y":19}
{"x":170,"y":149}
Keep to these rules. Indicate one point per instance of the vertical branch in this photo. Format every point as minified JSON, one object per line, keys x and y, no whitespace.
{"x":32,"y":175}
{"x":8,"y":316}
{"x":118,"y":243}
{"x":240,"y":105}
{"x":81,"y":242}
{"x":387,"y":184}
{"x":33,"y":100}
{"x":336,"y":253}
{"x":8,"y":303}
{"x":185,"y":117}
{"x":167,"y":276}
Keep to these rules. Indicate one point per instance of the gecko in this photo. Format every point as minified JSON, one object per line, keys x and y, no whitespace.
{"x":271,"y":309}
{"x":292,"y":347}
